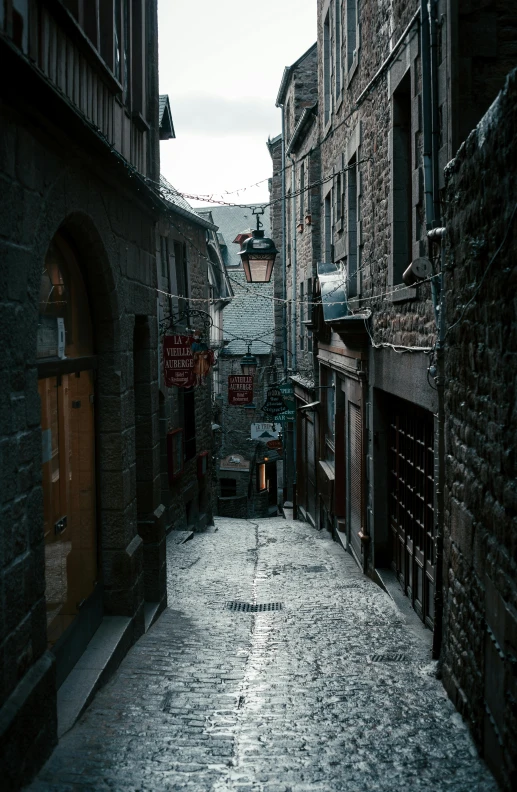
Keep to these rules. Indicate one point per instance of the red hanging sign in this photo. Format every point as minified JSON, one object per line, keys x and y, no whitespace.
{"x":186,"y":361}
{"x":240,"y":389}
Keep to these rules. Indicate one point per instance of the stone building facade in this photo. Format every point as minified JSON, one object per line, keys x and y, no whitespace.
{"x":80,"y":508}
{"x":295,"y":191}
{"x":480,"y":530}
{"x":402,"y":456}
{"x":190,"y":283}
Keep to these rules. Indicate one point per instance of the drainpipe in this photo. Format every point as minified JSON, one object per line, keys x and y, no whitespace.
{"x":294,"y":316}
{"x":284,"y":251}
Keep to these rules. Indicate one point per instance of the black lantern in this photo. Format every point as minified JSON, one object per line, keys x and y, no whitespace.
{"x":249,"y":363}
{"x":258,"y":255}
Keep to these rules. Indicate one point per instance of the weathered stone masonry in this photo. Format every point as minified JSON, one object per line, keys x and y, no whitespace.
{"x":480,"y":620}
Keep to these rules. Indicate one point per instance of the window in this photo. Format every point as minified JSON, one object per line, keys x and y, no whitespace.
{"x":327,"y":229}
{"x":352,"y":227}
{"x":401,"y":180}
{"x":261,"y":477}
{"x":122,"y":44}
{"x":309,"y":313}
{"x":182,"y":284}
{"x":338,"y":43}
{"x":164,"y":256}
{"x":338,"y":211}
{"x":326,"y":69}
{"x":351,"y":33}
{"x":330,"y":415}
{"x":228,"y":487}
{"x":302,"y":192}
{"x":302,"y":317}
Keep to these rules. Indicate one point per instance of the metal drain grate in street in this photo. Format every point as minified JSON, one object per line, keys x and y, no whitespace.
{"x":248,"y":607}
{"x":389,"y":658}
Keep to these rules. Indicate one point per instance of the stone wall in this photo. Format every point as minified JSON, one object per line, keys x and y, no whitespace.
{"x":48,"y":183}
{"x":188,"y":499}
{"x":480,"y":619}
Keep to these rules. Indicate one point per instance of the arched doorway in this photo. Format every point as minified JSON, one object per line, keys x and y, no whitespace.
{"x":66,"y":366}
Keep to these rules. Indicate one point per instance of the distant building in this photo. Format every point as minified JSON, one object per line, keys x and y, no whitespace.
{"x":193,"y":288}
{"x":251,"y":488}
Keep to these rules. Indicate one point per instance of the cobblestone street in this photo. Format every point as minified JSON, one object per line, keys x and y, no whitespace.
{"x":334,"y":690}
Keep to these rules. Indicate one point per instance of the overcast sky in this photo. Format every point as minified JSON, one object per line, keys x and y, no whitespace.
{"x":221,"y":62}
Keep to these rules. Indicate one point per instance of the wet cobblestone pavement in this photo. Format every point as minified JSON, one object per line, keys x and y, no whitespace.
{"x":334,"y":692}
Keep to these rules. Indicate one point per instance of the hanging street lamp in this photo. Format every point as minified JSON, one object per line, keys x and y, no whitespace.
{"x":249,"y":363}
{"x":258,"y":255}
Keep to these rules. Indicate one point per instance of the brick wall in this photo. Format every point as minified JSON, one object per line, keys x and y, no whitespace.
{"x":480,"y":620}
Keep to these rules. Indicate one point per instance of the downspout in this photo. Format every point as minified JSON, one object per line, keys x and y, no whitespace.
{"x":294,"y":334}
{"x":293,"y":268}
{"x":284,"y":251}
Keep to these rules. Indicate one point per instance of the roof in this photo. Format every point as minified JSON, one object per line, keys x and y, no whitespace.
{"x":249,"y":316}
{"x":165,"y":119}
{"x":241,"y":316}
{"x":217,"y":274}
{"x":180,"y":205}
{"x":287,"y":75}
{"x":232,"y":221}
{"x":306,"y":119}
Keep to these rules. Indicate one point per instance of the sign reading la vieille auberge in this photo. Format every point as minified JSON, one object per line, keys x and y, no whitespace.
{"x":240,"y":389}
{"x":186,"y":361}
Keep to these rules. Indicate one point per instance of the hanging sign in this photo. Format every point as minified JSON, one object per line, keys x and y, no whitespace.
{"x":287,"y":391}
{"x":275,"y":404}
{"x":178,"y":362}
{"x":240,"y":389}
{"x":263,"y":431}
{"x":186,"y":361}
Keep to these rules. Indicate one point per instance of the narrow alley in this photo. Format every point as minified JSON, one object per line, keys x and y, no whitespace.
{"x":332,"y":688}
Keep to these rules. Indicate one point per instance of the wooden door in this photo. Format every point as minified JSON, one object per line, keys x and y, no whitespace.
{"x":411,"y":505}
{"x":68,"y":472}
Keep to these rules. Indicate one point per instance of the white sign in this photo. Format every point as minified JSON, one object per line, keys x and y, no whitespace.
{"x":264,"y":431}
